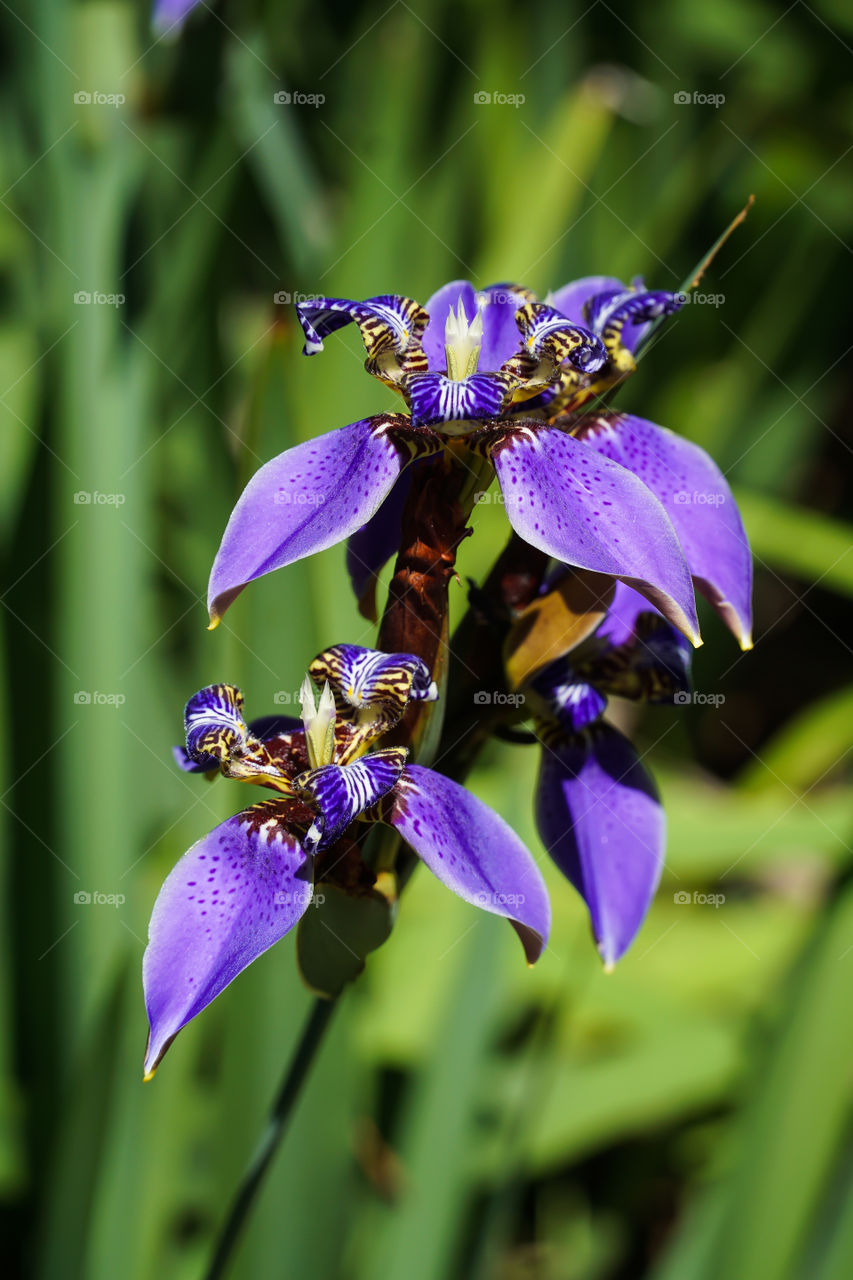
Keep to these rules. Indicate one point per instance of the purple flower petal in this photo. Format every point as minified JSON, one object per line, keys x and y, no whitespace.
{"x":438,"y":308}
{"x":699,"y":503}
{"x":611,"y":314}
{"x":583,"y":299}
{"x":501,"y":338}
{"x":472,"y":851}
{"x":170,"y":14}
{"x":597,"y":517}
{"x":368,"y":678}
{"x":500,"y":332}
{"x":310,"y":498}
{"x":433,"y":397}
{"x":265,"y":728}
{"x":342,"y":792}
{"x":214,"y":724}
{"x":621,"y":621}
{"x":387,"y":323}
{"x":235,"y":893}
{"x":570,"y":700}
{"x":186,"y":762}
{"x":549,"y":336}
{"x":571,"y":299}
{"x":600,"y":819}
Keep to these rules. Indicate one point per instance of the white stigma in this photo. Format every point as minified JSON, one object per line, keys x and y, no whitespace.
{"x":462,"y":342}
{"x":319,"y":722}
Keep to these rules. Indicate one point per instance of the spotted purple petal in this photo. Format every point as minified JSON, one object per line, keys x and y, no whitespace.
{"x":697,"y":500}
{"x":342,"y":792}
{"x":235,"y":893}
{"x":310,"y":498}
{"x":472,"y":851}
{"x":600,"y":819}
{"x":597,"y":517}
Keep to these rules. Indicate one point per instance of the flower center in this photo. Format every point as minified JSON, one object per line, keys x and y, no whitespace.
{"x":319,"y":722}
{"x":462,"y":342}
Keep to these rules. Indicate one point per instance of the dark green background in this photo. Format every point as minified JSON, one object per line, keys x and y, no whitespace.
{"x":687,"y":1117}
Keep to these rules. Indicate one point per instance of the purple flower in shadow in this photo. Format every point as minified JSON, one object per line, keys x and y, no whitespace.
{"x":597,"y":808}
{"x":169,"y":15}
{"x":246,"y":884}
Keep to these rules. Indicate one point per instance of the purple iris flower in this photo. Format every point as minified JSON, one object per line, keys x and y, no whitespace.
{"x":597,"y":808}
{"x":465,"y":366}
{"x":246,"y":884}
{"x":169,"y":15}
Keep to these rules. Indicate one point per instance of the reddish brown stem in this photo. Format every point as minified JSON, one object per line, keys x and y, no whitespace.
{"x":415,"y":618}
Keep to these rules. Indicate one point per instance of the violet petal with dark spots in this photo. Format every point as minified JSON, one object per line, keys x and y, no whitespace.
{"x":232,"y":895}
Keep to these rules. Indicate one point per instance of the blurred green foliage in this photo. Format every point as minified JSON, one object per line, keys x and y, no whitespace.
{"x":687,"y":1117}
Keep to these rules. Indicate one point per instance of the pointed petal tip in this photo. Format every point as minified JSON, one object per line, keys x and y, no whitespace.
{"x":531,"y":940}
{"x":745,"y":641}
{"x":609,"y":967}
{"x":154,"y":1055}
{"x":215,"y":620}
